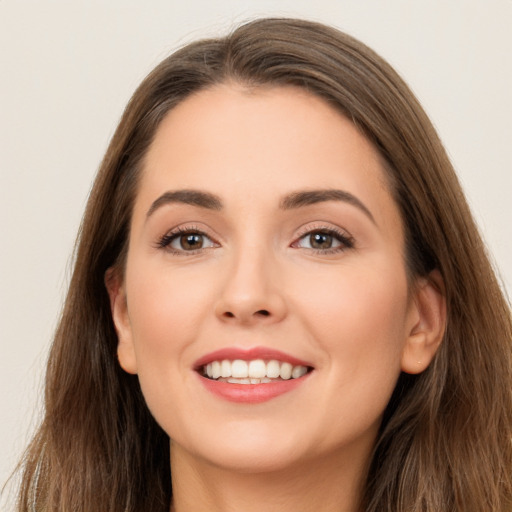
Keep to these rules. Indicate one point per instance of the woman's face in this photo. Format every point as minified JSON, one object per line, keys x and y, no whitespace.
{"x":264,"y":230}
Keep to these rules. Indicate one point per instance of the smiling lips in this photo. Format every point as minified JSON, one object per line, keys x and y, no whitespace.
{"x":256,"y":371}
{"x":251,"y":376}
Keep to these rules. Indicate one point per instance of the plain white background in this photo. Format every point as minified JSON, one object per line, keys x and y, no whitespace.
{"x":68,"y":68}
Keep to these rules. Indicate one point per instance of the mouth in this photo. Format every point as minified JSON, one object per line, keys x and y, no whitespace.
{"x":251,"y":376}
{"x":255,"y":371}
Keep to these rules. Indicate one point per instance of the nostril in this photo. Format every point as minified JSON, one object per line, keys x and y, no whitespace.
{"x":259,"y":313}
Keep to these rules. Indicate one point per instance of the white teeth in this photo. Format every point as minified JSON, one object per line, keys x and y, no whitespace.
{"x":232,"y":380}
{"x":239,"y":381}
{"x":273,"y":369}
{"x":257,"y":369}
{"x":225,"y":368}
{"x":215,"y":369}
{"x":239,"y":369}
{"x":298,"y":371}
{"x":252,"y":372}
{"x":286,"y":371}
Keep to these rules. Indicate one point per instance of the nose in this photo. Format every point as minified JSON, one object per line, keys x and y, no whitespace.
{"x":252,"y":292}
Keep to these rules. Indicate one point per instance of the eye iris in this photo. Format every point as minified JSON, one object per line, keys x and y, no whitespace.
{"x":191,"y":241}
{"x":320,"y":240}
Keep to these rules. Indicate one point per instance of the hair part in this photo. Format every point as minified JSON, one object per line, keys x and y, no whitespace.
{"x":445,"y":439}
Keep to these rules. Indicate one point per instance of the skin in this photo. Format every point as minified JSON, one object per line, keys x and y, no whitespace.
{"x":350,"y":312}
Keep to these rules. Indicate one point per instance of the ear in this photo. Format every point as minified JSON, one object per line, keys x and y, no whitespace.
{"x":427,"y":325}
{"x":119,"y":308}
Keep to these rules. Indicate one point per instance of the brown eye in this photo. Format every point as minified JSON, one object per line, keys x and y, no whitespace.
{"x":191,"y":241}
{"x":324,"y":241}
{"x":320,"y":240}
{"x":186,"y":241}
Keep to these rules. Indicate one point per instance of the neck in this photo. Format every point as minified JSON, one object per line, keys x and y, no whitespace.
{"x":326,"y":485}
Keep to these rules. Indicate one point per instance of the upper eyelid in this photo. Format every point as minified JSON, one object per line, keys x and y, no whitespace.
{"x":321,"y":226}
{"x":190,"y":228}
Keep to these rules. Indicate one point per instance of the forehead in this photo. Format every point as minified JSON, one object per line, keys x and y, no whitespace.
{"x":261,"y":143}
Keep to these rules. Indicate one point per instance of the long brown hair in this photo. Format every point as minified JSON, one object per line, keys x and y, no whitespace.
{"x":445,"y":442}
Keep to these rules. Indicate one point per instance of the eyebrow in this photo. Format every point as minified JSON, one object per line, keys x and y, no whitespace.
{"x":291,"y":201}
{"x":192,"y":197}
{"x":311,"y":197}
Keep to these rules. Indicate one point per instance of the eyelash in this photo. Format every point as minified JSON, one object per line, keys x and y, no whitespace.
{"x":345,"y":240}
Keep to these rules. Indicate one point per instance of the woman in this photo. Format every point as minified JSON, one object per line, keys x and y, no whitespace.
{"x":277,"y":271}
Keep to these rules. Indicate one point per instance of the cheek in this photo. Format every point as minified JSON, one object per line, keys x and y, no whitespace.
{"x":165,"y":310}
{"x":358,"y":319}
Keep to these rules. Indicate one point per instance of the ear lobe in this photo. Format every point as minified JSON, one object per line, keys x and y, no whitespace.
{"x":119,"y":309}
{"x":427,"y":331}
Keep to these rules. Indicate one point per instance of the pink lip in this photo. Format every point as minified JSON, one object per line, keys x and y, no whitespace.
{"x":249,"y":393}
{"x":264,"y":353}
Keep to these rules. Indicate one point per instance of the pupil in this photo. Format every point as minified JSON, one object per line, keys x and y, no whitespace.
{"x":321,"y":241}
{"x":191,"y":241}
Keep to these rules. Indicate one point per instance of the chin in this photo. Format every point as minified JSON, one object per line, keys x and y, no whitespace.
{"x":246,"y":461}
{"x":244,"y":449}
